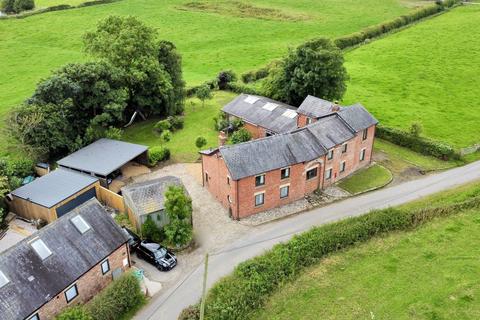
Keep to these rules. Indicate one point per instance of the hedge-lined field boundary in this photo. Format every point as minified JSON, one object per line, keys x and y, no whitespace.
{"x":240,"y":294}
{"x":59,"y":7}
{"x":368,"y":33}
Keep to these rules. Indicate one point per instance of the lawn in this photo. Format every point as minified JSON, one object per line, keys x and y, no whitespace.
{"x":198,"y":122}
{"x":366,"y":179}
{"x":221,"y":36}
{"x":430,"y":273}
{"x":50,"y":3}
{"x":426,"y":73}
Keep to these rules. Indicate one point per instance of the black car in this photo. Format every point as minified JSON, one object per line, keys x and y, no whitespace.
{"x":157,"y":255}
{"x":133,"y":239}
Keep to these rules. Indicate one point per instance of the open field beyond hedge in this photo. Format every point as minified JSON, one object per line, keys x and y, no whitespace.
{"x":218,"y":35}
{"x":426,"y":73}
{"x":430,"y":273}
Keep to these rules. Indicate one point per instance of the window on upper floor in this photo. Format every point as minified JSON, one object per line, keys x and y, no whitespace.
{"x":285,"y":173}
{"x":259,"y":180}
{"x":330,"y":155}
{"x":71,"y":293}
{"x":365,"y":134}
{"x":344,"y":148}
{"x":312,"y":173}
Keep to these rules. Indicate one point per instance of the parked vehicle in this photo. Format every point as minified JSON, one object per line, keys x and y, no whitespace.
{"x":133,"y":239}
{"x":157,"y":255}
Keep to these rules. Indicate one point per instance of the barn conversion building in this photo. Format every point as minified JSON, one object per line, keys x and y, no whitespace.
{"x":329,"y":143}
{"x":65,"y":263}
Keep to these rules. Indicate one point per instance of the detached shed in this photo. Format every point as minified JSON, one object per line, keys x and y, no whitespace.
{"x":53,"y":195}
{"x":148,"y":199}
{"x":104,"y":158}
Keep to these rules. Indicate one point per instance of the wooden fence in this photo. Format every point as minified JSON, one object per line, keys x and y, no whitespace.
{"x":111,"y":199}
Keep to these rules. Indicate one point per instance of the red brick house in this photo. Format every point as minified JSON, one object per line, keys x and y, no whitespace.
{"x":65,"y":263}
{"x":265,"y":173}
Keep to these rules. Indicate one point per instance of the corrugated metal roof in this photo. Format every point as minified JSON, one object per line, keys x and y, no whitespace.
{"x":357,"y":117}
{"x":54,"y":187}
{"x":73,"y":254}
{"x":251,"y":109}
{"x":148,"y":196}
{"x":103,"y":156}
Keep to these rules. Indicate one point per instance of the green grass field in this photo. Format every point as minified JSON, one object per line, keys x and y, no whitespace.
{"x":430,"y":273}
{"x":426,"y":73}
{"x":375,"y":176}
{"x":219,"y":37}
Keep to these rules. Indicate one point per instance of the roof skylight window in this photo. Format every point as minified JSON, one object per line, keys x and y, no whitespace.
{"x":41,"y":248}
{"x":3,"y":280}
{"x":251,"y":99}
{"x":81,"y":225}
{"x":289,"y":114}
{"x":270,"y":106}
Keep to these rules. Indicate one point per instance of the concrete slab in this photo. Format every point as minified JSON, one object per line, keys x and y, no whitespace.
{"x":17,"y":231}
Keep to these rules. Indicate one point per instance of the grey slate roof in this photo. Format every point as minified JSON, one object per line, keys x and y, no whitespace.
{"x":73,"y":254}
{"x":54,"y":187}
{"x":103,"y":156}
{"x":315,"y":107}
{"x":148,"y":196}
{"x":357,"y":117}
{"x":255,"y":113}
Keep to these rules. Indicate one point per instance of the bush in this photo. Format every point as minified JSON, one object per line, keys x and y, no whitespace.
{"x":117,"y":299}
{"x":178,"y":207}
{"x":200,"y":142}
{"x":162,"y":125}
{"x":416,"y":129}
{"x":176,"y":122}
{"x":190,"y":313}
{"x":242,"y":135}
{"x":166,"y":135}
{"x":74,"y":313}
{"x":247,"y":288}
{"x":418,"y":144}
{"x":220,"y":121}
{"x":224,"y":78}
{"x":7,"y":6}
{"x":20,"y":168}
{"x":23,"y":5}
{"x":151,"y":231}
{"x":241,"y":88}
{"x":158,"y":154}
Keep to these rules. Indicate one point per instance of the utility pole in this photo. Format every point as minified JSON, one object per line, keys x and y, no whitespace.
{"x":204,"y":289}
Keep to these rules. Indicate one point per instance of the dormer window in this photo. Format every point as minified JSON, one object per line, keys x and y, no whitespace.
{"x":81,"y":225}
{"x":3,"y":279}
{"x":41,"y":249}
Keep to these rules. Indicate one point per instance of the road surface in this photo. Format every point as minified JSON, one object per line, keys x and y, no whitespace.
{"x":167,"y":306}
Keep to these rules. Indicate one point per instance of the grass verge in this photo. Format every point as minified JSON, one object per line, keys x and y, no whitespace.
{"x":373,"y":177}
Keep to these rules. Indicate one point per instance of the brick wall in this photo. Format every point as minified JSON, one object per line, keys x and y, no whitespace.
{"x":256,"y":131}
{"x":302,"y":120}
{"x":88,"y":285}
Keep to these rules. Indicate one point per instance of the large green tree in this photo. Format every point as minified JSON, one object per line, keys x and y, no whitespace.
{"x":178,"y":206}
{"x":314,"y":68}
{"x":152,"y":69}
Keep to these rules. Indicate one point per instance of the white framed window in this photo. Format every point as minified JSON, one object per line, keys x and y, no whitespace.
{"x":105,"y":266}
{"x":259,"y":180}
{"x":259,"y":199}
{"x":3,"y":279}
{"x":41,"y":248}
{"x":344,"y":148}
{"x":285,"y":173}
{"x":284,"y":191}
{"x":362,"y":154}
{"x":80,"y":223}
{"x":34,"y":317}
{"x":330,"y":155}
{"x":312,"y":173}
{"x":365,"y":134}
{"x":71,"y":293}
{"x":328,"y":174}
{"x":342,"y":166}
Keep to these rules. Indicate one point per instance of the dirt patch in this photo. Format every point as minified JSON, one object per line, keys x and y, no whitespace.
{"x":241,"y":10}
{"x":133,"y":169}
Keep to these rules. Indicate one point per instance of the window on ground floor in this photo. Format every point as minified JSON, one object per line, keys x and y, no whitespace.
{"x":260,"y":180}
{"x":284,"y":191}
{"x":312,"y":173}
{"x":71,"y":293}
{"x":328,"y":173}
{"x":105,"y":266}
{"x":342,"y":166}
{"x":362,"y":155}
{"x":259,"y":199}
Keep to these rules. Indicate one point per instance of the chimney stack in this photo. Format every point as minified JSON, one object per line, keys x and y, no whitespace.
{"x":335,"y":106}
{"x":222,"y":139}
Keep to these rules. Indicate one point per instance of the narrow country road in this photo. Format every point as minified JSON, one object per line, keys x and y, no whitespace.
{"x":169,"y":304}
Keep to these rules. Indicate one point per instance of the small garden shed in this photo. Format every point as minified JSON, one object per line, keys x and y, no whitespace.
{"x":53,"y":195}
{"x":147,"y":199}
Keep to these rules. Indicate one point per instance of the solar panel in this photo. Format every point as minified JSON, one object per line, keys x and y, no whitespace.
{"x":270,"y":106}
{"x":3,"y":279}
{"x":289,"y":114}
{"x":81,"y":225}
{"x":251,"y":99}
{"x":41,"y":249}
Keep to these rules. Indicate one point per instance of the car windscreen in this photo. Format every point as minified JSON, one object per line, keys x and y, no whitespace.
{"x":160,"y":253}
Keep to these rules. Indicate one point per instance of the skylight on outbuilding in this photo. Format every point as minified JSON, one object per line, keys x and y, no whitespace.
{"x":251,"y":99}
{"x":41,"y":249}
{"x":81,"y":225}
{"x":289,"y":114}
{"x":270,"y":106}
{"x":3,"y":279}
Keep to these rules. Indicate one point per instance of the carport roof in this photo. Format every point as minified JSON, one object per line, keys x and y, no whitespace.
{"x":103,"y":156}
{"x":54,"y":187}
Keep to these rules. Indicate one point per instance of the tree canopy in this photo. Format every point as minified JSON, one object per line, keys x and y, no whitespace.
{"x":314,"y":68}
{"x":178,"y":206}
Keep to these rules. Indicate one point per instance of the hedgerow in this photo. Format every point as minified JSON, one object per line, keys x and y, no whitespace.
{"x":247,"y":288}
{"x":158,"y":154}
{"x":418,"y":144}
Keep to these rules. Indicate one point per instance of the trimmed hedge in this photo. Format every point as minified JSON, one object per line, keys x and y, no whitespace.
{"x":158,"y":154}
{"x":241,"y":88}
{"x":418,"y":144}
{"x":247,"y":288}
